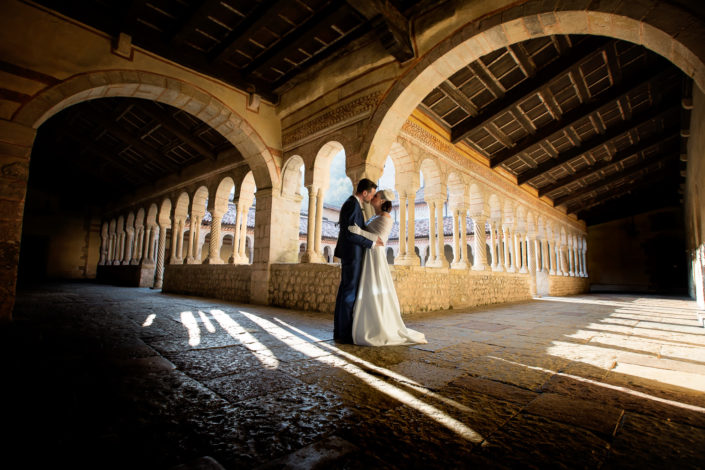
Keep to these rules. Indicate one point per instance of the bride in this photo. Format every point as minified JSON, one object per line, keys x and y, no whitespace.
{"x":377,"y":316}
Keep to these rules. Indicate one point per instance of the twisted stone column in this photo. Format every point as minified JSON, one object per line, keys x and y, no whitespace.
{"x":159,"y":269}
{"x":214,"y":245}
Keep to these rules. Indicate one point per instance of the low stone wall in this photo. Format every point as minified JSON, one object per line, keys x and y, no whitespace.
{"x":220,"y":281}
{"x":126,"y":275}
{"x":567,"y":285}
{"x":314,"y":287}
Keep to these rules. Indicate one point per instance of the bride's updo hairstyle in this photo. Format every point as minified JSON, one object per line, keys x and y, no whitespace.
{"x":388,"y":197}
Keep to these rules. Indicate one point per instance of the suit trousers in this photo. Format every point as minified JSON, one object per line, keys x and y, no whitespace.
{"x":350,"y":272}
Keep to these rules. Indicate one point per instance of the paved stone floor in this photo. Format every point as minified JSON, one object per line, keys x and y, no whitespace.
{"x":108,"y":377}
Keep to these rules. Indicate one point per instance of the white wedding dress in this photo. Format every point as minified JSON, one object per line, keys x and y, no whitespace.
{"x":376,"y":315}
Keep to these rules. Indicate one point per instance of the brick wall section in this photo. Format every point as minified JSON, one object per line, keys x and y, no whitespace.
{"x":220,"y":281}
{"x":567,"y":285}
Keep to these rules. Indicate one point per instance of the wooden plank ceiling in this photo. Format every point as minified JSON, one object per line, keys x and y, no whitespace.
{"x":584,"y":120}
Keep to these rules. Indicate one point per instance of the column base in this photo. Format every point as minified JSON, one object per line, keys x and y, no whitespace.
{"x":241,"y":260}
{"x":213,"y":261}
{"x":551,"y":272}
{"x":523,"y":271}
{"x":511,"y":269}
{"x":497,"y":268}
{"x":479,"y":268}
{"x":175,"y":260}
{"x":157,"y":285}
{"x":312,"y":257}
{"x":436,"y":264}
{"x":460,"y":265}
{"x":407,"y":260}
{"x":571,"y":273}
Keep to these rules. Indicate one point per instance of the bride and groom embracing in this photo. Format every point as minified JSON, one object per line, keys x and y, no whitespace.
{"x":367,"y":308}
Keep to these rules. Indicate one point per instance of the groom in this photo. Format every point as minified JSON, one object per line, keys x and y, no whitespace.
{"x":350,"y":250}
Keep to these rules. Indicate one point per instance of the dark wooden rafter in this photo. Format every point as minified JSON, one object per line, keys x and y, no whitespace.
{"x":129,"y":16}
{"x":391,"y":26}
{"x":668,"y":136}
{"x":578,"y":113}
{"x":601,"y":199}
{"x":320,"y":21}
{"x":195,"y":15}
{"x":241,"y":35}
{"x":175,"y":127}
{"x":628,"y":172}
{"x":532,"y":85}
{"x":597,"y":141}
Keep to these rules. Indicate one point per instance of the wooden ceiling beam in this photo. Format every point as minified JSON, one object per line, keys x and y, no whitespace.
{"x":578,"y":113}
{"x":391,"y":25}
{"x":175,"y":127}
{"x":596,"y":141}
{"x":195,"y":15}
{"x":627,"y":173}
{"x":90,"y":147}
{"x":671,"y":134}
{"x":529,"y":87}
{"x":649,"y":180}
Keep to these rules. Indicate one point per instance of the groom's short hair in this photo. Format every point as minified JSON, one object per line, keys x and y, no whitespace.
{"x":365,"y":185}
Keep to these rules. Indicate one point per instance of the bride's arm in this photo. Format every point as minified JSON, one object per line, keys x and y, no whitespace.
{"x":357,"y":230}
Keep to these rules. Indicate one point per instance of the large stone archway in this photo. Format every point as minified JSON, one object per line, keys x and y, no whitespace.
{"x":679,"y":40}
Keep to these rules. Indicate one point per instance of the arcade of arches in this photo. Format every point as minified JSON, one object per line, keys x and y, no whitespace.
{"x":548,"y":160}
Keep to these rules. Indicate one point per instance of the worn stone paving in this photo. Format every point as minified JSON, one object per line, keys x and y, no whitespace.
{"x":108,"y":377}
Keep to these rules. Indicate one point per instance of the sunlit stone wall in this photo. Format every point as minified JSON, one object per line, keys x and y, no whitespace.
{"x":567,"y":285}
{"x":224,"y":281}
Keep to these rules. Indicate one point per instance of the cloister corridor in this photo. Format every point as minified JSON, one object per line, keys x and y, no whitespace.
{"x":111,"y":377}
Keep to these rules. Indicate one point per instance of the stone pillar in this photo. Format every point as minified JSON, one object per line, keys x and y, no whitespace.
{"x":111,"y":248}
{"x":537,"y":254}
{"x":244,"y":258}
{"x":152,"y":242}
{"x":402,"y":227}
{"x":196,"y":251}
{"x":214,"y":245}
{"x":525,"y":253}
{"x":557,"y":256}
{"x":137,"y":251}
{"x":516,"y":256}
{"x":585,"y":268}
{"x":456,"y":241}
{"x":441,"y":260}
{"x":319,"y":225}
{"x":309,"y":256}
{"x":530,"y":255}
{"x":147,"y":239}
{"x":104,"y":241}
{"x":431,"y":233}
{"x":175,"y":236}
{"x":129,"y":245}
{"x":506,"y":234}
{"x":238,"y":229}
{"x":119,"y":248}
{"x":159,"y":269}
{"x":187,"y":256}
{"x":411,"y":235}
{"x":494,"y":262}
{"x":479,"y":243}
{"x":571,"y":260}
{"x":463,"y":239}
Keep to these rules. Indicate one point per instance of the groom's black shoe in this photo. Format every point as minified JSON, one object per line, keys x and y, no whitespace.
{"x":347,"y":340}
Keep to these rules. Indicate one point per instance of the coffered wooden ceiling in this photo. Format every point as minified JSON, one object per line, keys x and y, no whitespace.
{"x":255,"y":45}
{"x":582,"y":119}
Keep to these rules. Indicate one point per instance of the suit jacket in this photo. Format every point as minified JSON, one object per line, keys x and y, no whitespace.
{"x":349,"y":246}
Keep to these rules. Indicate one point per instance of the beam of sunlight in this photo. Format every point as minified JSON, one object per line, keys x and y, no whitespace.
{"x":259,"y":350}
{"x":206,"y":322}
{"x":379,"y":384}
{"x":609,"y":386}
{"x":149,"y":320}
{"x":191,"y":325}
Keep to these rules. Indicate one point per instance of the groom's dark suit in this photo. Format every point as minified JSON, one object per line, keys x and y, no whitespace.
{"x":349,"y":249}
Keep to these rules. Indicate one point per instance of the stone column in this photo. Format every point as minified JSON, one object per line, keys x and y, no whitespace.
{"x":494,"y":261}
{"x":525,"y":254}
{"x":431,"y":233}
{"x":214,"y":245}
{"x":175,"y":235}
{"x":147,"y":237}
{"x":195,"y":249}
{"x":557,"y":256}
{"x":309,"y":256}
{"x":585,"y":269}
{"x":236,"y":238}
{"x":111,"y":248}
{"x":441,"y":260}
{"x":537,"y":254}
{"x":244,"y":259}
{"x":571,"y":260}
{"x":463,"y":239}
{"x":319,"y":225}
{"x":517,"y":257}
{"x":479,"y":243}
{"x":456,"y":241}
{"x":411,"y":236}
{"x":189,"y":245}
{"x":530,"y":255}
{"x":506,"y":235}
{"x":159,"y":269}
{"x":137,"y":251}
{"x":104,"y":242}
{"x":152,"y":242}
{"x":129,"y":245}
{"x":402,"y":227}
{"x":119,"y":247}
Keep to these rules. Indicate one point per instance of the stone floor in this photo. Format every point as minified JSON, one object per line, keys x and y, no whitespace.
{"x":107,"y":377}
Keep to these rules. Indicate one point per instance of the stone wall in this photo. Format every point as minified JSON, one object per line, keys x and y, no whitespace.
{"x":314,"y":287}
{"x":220,"y":281}
{"x":568,"y":285}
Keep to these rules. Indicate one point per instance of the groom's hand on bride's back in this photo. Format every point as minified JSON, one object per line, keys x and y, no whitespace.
{"x":379,"y":242}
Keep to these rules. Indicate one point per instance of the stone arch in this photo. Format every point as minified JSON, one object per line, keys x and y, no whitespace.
{"x":508,"y":213}
{"x":495,"y":207}
{"x":458,"y":194}
{"x":291,"y":176}
{"x":433,"y":178}
{"x":477,"y":200}
{"x":319,"y":175}
{"x":406,"y":178}
{"x":164,"y":89}
{"x":221,"y":195}
{"x":481,"y":36}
